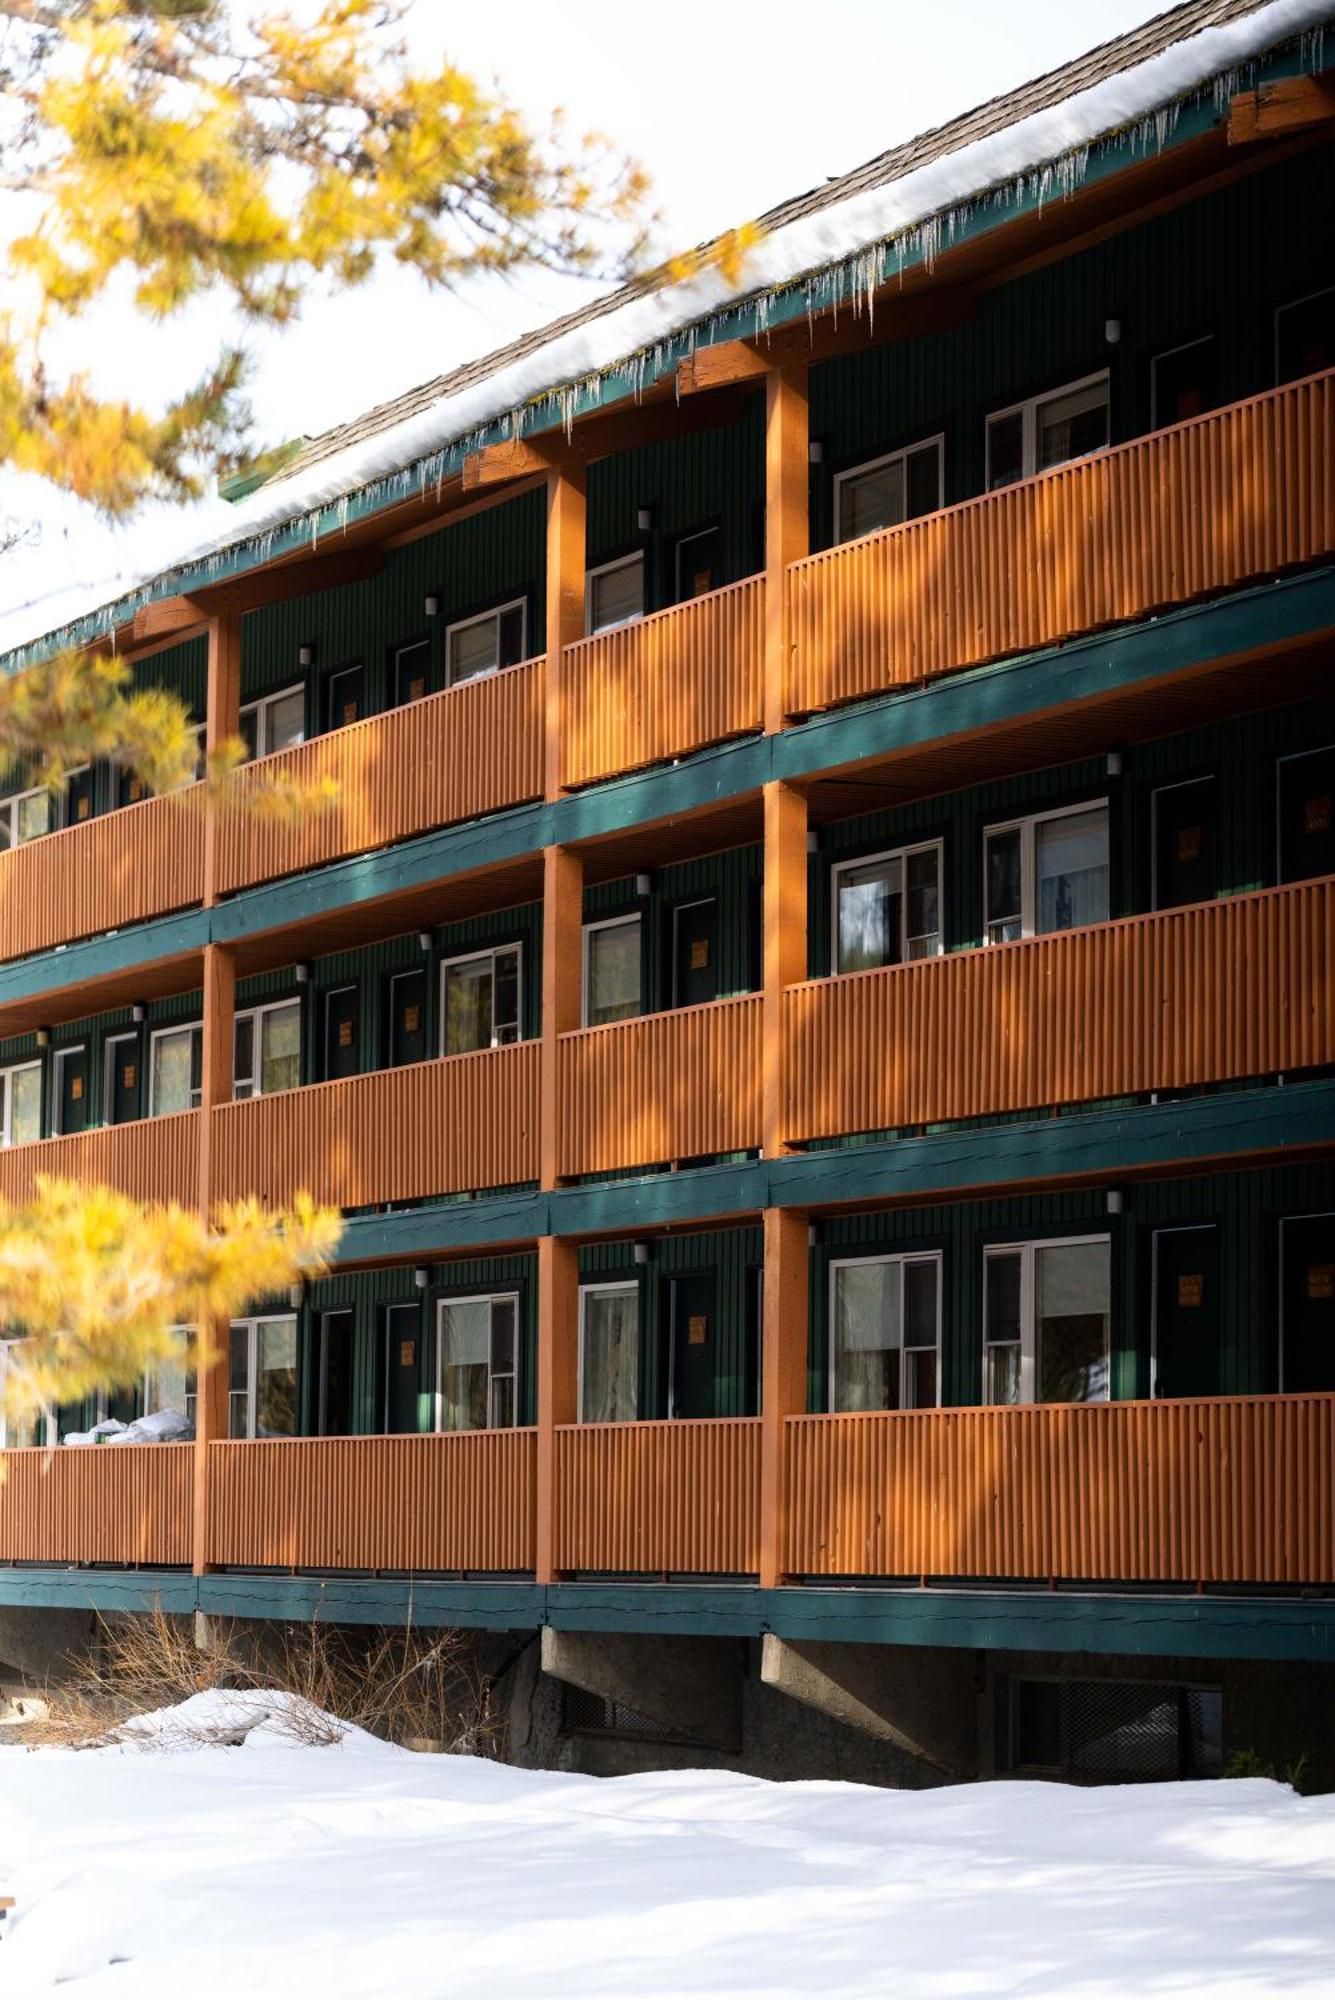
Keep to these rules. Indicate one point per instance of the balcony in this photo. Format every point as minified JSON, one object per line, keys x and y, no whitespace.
{"x":456,"y":1124}
{"x":1173,"y":1000}
{"x":665,"y":685}
{"x":1226,"y":1490}
{"x":142,"y":861}
{"x":453,"y":756}
{"x":465,"y":1501}
{"x":675,"y":1086}
{"x":152,"y":1159}
{"x":1204,"y":506}
{"x":677,"y":1498}
{"x":128,"y":1504}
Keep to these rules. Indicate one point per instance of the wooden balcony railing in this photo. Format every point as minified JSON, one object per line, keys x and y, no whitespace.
{"x":679,"y":1497}
{"x":140,"y":862}
{"x":451,"y":756}
{"x":153,"y":1159}
{"x":660,"y":1087}
{"x":128,"y":1503}
{"x":1231,"y":989}
{"x":664,"y":685}
{"x":460,"y":1122}
{"x":458,"y":1502}
{"x":1201,"y":507}
{"x":1226,"y":1490}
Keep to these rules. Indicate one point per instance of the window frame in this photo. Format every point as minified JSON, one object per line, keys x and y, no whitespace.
{"x":1291,"y":757}
{"x":116,"y":1039}
{"x":1027,"y":1246}
{"x":586,"y":1291}
{"x":7,"y":1075}
{"x":900,"y":1258}
{"x":636,"y":557}
{"x":396,"y":657}
{"x":635,"y":917}
{"x":1302,"y":1215}
{"x":252,"y":1322}
{"x":1027,"y":410}
{"x":900,"y":455}
{"x":9,"y":810}
{"x":491,"y":952}
{"x":260,"y":708}
{"x":59,"y":1057}
{"x":45,"y":1421}
{"x":1288,"y":305}
{"x":253,"y":1015}
{"x":152,"y":1378}
{"x":1028,"y":825}
{"x":900,"y":854}
{"x":493,"y":612}
{"x":1208,"y":1226}
{"x":156,"y":1035}
{"x":1156,"y":793}
{"x":1167,"y":354}
{"x":490,"y":1300}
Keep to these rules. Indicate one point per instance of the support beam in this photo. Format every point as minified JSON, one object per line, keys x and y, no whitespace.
{"x":169,"y":616}
{"x":566,"y":516}
{"x":1290,"y":104}
{"x":785,"y":1332}
{"x":784,"y":934}
{"x":215,"y":1088}
{"x":511,"y":458}
{"x":787,"y":518}
{"x":562,"y":975}
{"x":222,"y":720}
{"x":558,"y":1376}
{"x":721,"y":366}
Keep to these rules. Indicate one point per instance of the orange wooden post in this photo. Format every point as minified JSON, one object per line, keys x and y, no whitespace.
{"x":222,"y":719}
{"x":562,"y":974}
{"x":785,"y":1317}
{"x":785,"y":945}
{"x":558,"y":1377}
{"x":215,"y":1089}
{"x":566,"y":510}
{"x":787,"y":523}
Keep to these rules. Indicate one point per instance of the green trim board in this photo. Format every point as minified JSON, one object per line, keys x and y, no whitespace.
{"x":1190,"y":1625}
{"x":1188,"y":118}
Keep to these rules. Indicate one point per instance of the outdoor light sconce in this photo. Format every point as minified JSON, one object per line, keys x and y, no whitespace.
{"x":295,"y":1294}
{"x":813,"y":1236}
{"x":1112,"y":1201}
{"x":644,"y":519}
{"x":643,"y":884}
{"x":305,"y":656}
{"x":138,"y":1013}
{"x":43,"y":1038}
{"x":421,"y":1277}
{"x":815,"y":452}
{"x":641,"y":1253}
{"x":813,"y":841}
{"x":1112,"y":331}
{"x":1113,"y":764}
{"x":424,"y":940}
{"x":301,"y":972}
{"x":431,"y":606}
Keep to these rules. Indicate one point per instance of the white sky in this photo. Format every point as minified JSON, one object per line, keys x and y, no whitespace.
{"x":732,"y":107}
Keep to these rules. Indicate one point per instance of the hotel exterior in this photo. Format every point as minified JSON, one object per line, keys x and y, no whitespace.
{"x":814,"y":995}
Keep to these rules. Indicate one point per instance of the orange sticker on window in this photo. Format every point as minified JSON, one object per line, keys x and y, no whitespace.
{"x":1321,"y":1281}
{"x":128,"y":1075}
{"x":1191,"y":1288}
{"x":76,"y":1088}
{"x":699,"y":954}
{"x":349,"y":711}
{"x":412,"y":1017}
{"x":1316,"y":814}
{"x":407,"y":1353}
{"x":345,"y":1034}
{"x":416,"y":689}
{"x":1188,"y":843}
{"x":84,"y":808}
{"x":697,"y":1326}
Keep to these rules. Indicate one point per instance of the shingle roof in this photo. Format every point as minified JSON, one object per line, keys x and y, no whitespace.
{"x":1096,"y":66}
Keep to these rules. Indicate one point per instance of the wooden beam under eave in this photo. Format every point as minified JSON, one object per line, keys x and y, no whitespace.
{"x":299,"y":578}
{"x":1292,"y":104}
{"x":165,"y":618}
{"x":721,"y":367}
{"x":511,"y":458}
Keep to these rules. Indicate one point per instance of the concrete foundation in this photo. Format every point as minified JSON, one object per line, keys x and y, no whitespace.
{"x":689,"y":1686}
{"x":926,"y":1706}
{"x":38,"y":1647}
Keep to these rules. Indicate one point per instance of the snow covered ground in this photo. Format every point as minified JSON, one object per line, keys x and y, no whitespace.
{"x":360,"y":1869}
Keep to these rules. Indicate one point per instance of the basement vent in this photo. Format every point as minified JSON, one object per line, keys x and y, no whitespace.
{"x":585,"y":1714}
{"x":1115,"y":1732}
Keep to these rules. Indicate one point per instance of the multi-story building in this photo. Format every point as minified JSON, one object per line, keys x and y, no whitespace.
{"x":815,"y":992}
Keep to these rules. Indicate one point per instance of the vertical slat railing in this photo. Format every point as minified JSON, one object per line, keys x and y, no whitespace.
{"x":127,"y":1504}
{"x":677,"y":1497}
{"x":141,"y":861}
{"x":152,"y":1159}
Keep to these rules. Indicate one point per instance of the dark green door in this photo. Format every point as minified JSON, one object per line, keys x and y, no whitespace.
{"x":697,"y":564}
{"x":412,"y":672}
{"x":1186,"y":844}
{"x":1186,"y":1312}
{"x":340,"y":1022}
{"x":402,"y":1366}
{"x":333,"y":1374}
{"x":71,"y":1107}
{"x":695,"y":953}
{"x":1307,"y":1302}
{"x":122,"y":1078}
{"x":695,"y":1343}
{"x":344,"y":697}
{"x":1307,"y":815}
{"x":407,"y":1018}
{"x":79,"y":796}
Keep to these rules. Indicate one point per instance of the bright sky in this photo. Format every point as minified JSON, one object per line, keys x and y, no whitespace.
{"x":731,"y":107}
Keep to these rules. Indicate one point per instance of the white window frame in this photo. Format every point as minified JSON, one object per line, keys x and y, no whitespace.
{"x":260,"y":708}
{"x":900,"y":854}
{"x":605,"y":569}
{"x":111,"y":1042}
{"x":9,"y":810}
{"x":7,"y":1076}
{"x":59,"y":1058}
{"x":900,"y":1258}
{"x":1287,"y":305}
{"x":1028,"y":411}
{"x":149,"y":1388}
{"x":254,"y":1016}
{"x":1167,"y":354}
{"x":489,"y":1299}
{"x":1028,"y":826}
{"x":1290,"y":757}
{"x":473,"y":958}
{"x":44,"y":1421}
{"x":605,"y":924}
{"x":494,"y":616}
{"x":1026,"y":1248}
{"x":157,"y":1035}
{"x":1173,"y":1229}
{"x":901,"y":456}
{"x":586,"y":1291}
{"x":1307,"y":1215}
{"x":252,"y":1324}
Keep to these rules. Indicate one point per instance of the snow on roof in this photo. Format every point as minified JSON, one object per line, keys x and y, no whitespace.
{"x":862,"y":228}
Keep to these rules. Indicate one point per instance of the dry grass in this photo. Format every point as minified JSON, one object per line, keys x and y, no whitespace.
{"x":417,"y":1688}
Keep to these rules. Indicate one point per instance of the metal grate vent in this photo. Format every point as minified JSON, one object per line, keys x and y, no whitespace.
{"x":585,"y":1714}
{"x":1116,"y":1732}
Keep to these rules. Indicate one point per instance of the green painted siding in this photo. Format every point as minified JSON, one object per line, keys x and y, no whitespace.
{"x":1220,"y":265}
{"x":733,"y":877}
{"x":734,"y":1256}
{"x":715,"y":478}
